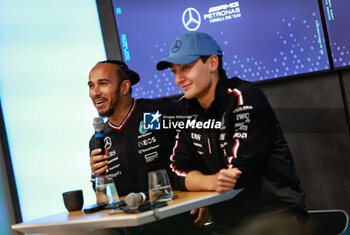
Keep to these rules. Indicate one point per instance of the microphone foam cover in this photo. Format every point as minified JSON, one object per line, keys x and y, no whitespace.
{"x":132,"y":199}
{"x":98,"y":123}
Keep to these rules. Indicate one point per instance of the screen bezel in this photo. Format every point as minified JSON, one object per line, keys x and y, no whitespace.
{"x":326,"y":35}
{"x":114,"y":52}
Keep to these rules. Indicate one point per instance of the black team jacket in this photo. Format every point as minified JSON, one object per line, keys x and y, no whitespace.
{"x":247,"y":136}
{"x":134,"y":151}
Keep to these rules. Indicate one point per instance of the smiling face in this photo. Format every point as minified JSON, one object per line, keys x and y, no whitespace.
{"x":104,"y":88}
{"x":197,"y":79}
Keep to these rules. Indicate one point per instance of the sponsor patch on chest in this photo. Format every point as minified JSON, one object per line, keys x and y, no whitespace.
{"x":150,"y":157}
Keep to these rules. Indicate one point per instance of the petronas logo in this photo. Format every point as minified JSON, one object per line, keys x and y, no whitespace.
{"x":142,"y":130}
{"x":223,"y":119}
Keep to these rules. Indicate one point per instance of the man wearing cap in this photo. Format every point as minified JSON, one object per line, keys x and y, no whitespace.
{"x":245,"y":150}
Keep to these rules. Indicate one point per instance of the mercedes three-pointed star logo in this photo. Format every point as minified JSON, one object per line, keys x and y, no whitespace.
{"x":191,"y":19}
{"x":177,"y":46}
{"x":108,"y":142}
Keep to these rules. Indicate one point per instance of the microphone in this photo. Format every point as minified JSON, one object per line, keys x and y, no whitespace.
{"x":134,"y":199}
{"x":99,"y":136}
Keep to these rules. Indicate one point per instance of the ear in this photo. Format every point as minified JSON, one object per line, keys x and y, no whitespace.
{"x":125,"y":87}
{"x":213,"y":63}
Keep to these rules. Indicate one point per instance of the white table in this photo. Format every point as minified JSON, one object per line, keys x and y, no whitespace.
{"x":101,"y":220}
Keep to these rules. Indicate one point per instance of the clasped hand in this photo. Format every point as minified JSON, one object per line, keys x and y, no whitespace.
{"x":225,"y":180}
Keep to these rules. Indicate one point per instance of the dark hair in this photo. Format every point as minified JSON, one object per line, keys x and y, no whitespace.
{"x":204,"y":59}
{"x":123,"y":72}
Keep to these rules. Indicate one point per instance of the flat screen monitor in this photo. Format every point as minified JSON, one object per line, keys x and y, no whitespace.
{"x":261,"y":40}
{"x":337,"y":19}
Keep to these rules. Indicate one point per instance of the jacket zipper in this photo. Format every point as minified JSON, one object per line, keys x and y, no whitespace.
{"x":209,"y":146}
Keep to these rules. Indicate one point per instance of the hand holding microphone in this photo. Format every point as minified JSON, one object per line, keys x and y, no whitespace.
{"x":98,"y":162}
{"x":98,"y":157}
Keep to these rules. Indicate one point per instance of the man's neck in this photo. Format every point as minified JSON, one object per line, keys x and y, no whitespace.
{"x":121,"y":112}
{"x":208,"y":96}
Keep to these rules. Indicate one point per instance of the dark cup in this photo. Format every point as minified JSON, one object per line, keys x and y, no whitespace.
{"x":73,"y":200}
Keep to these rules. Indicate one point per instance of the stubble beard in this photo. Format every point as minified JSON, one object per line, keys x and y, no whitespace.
{"x":112,"y":106}
{"x":107,"y":113}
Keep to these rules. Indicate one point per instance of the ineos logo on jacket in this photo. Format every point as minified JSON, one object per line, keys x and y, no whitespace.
{"x":146,"y":142}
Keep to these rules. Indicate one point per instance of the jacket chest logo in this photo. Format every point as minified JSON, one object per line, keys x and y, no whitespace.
{"x":108,"y":142}
{"x":196,"y":136}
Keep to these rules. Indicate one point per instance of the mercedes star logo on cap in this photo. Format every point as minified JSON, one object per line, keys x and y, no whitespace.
{"x":177,"y":46}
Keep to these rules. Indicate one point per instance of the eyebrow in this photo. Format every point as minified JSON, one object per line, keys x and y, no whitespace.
{"x":100,"y":80}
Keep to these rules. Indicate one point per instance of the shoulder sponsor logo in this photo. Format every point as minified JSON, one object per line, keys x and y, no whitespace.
{"x":112,"y":153}
{"x":223,"y":119}
{"x":240,"y":135}
{"x":222,"y":136}
{"x":241,"y":125}
{"x":146,"y":142}
{"x":196,"y":136}
{"x":114,"y":167}
{"x":112,"y":156}
{"x":151,"y":157}
{"x":144,"y":135}
{"x":243,"y":128}
{"x":140,"y":151}
{"x":197,"y":144}
{"x":191,"y":19}
{"x":115,"y":174}
{"x":141,"y":129}
{"x":242,"y":116}
{"x":113,"y":160}
{"x":242,"y":108}
{"x":223,"y":145}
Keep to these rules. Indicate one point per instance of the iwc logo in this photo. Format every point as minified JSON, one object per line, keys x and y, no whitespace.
{"x":191,"y":19}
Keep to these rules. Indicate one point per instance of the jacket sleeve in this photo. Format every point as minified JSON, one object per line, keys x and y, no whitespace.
{"x":250,"y":133}
{"x":181,"y":160}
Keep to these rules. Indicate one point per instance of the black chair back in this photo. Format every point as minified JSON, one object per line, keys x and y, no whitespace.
{"x":328,"y":222}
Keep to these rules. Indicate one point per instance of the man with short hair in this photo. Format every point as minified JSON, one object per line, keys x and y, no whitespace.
{"x":132,"y":151}
{"x":248,"y":150}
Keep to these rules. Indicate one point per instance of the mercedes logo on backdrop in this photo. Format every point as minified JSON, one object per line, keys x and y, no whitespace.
{"x":191,"y":19}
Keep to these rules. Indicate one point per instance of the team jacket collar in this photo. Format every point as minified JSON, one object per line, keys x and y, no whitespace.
{"x":125,"y":119}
